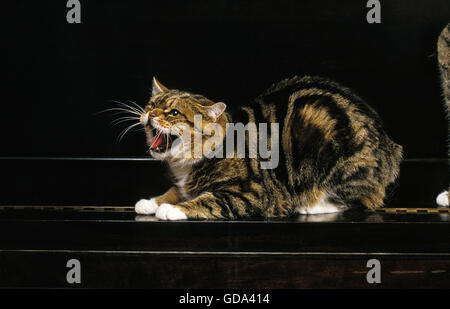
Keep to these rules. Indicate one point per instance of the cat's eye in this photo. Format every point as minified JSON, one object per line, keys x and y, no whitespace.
{"x":174,"y":112}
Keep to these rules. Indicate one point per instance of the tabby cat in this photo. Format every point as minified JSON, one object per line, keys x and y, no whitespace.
{"x":444,"y":67}
{"x":333,"y":154}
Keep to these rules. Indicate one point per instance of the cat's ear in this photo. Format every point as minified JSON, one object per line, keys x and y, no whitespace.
{"x":157,"y":87}
{"x":215,"y":110}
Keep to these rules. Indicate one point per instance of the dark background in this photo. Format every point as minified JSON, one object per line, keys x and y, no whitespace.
{"x":59,"y":75}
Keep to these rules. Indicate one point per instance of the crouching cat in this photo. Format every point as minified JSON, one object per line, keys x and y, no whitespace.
{"x":332,"y":153}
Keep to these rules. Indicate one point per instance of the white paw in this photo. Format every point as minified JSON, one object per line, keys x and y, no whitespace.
{"x":318,"y":210}
{"x":442,"y":199}
{"x":146,"y":207}
{"x":322,"y":207}
{"x":169,"y":212}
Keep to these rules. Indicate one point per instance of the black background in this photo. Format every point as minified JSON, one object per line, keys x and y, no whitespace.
{"x":59,"y":75}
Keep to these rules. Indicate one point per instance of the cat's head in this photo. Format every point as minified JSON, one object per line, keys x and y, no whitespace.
{"x":175,"y":120}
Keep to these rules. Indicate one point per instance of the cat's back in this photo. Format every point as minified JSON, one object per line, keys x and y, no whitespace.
{"x":328,"y":135}
{"x":311,"y":87}
{"x":322,"y":103}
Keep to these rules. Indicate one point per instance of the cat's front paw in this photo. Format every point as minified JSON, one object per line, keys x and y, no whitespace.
{"x":170,"y":212}
{"x":442,"y":199}
{"x":146,"y":207}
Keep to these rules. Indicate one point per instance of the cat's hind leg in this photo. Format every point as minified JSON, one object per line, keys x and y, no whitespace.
{"x":325,"y":205}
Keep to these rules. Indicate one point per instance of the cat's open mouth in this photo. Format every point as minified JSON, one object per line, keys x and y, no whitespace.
{"x":161,"y":142}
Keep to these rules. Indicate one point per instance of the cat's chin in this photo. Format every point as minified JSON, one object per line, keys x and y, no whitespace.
{"x":179,"y":160}
{"x":159,"y":155}
{"x":169,"y":155}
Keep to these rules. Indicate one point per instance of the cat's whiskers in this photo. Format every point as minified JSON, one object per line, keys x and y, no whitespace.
{"x":122,"y":134}
{"x":124,"y":119}
{"x":137,"y":106}
{"x":133,"y":113}
{"x":120,"y":111}
{"x":130,"y":108}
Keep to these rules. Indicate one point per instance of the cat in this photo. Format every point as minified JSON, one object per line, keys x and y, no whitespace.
{"x":443,"y":51}
{"x":333,"y":154}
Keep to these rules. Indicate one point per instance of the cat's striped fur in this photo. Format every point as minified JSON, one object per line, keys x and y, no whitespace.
{"x":334,"y":154}
{"x":443,"y":52}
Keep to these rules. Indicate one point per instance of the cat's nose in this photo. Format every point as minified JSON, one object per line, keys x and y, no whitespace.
{"x":146,"y":117}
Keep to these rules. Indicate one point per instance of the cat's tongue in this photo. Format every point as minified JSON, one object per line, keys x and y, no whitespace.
{"x":157,"y":141}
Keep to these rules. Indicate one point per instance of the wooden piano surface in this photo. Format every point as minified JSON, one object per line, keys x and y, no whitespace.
{"x":118,"y":248}
{"x":56,"y":209}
